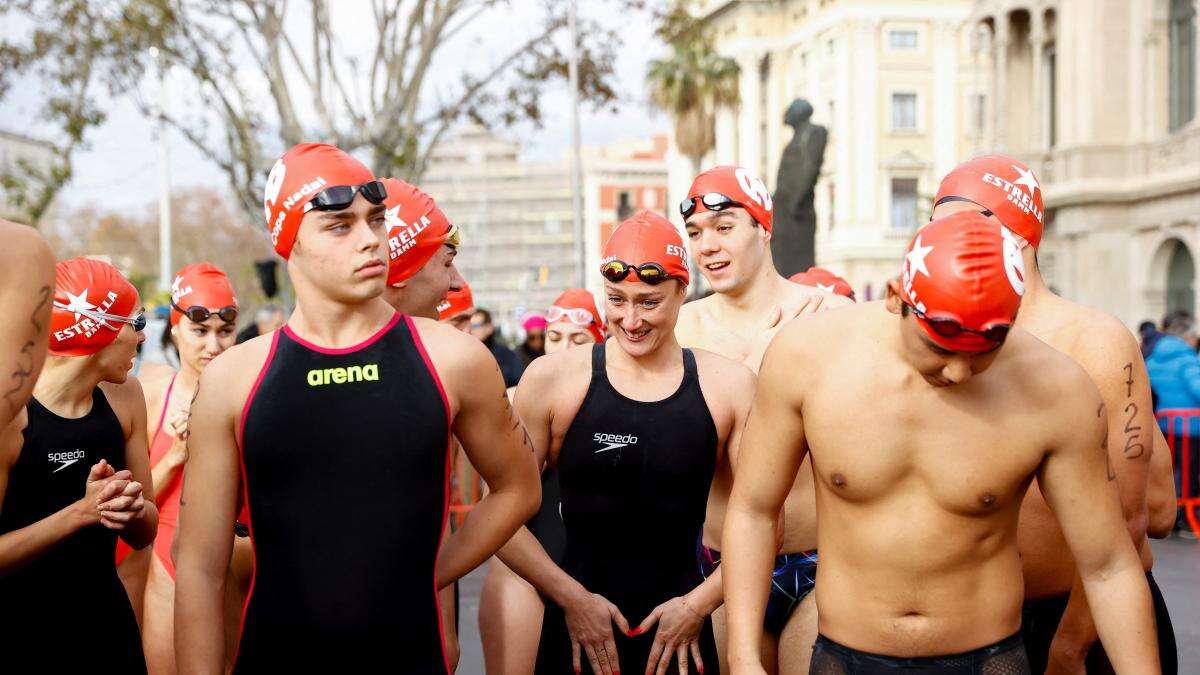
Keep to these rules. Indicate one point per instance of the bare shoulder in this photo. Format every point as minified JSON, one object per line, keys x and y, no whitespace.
{"x":1047,"y":377}
{"x":691,"y":319}
{"x":155,"y":377}
{"x":798,"y":294}
{"x":236,"y":369}
{"x":450,"y":350}
{"x":725,"y":376}
{"x":807,"y":332}
{"x":1102,"y":344}
{"x":23,"y":250}
{"x":127,"y":398}
{"x":554,"y":376}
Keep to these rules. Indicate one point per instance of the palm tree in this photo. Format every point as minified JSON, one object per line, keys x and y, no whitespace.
{"x":691,"y":82}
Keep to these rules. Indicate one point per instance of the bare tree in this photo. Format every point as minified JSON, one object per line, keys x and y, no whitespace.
{"x":266,"y":74}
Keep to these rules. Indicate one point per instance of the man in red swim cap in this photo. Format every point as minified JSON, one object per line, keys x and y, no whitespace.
{"x":1057,"y":626}
{"x":729,"y":215}
{"x":340,"y":423}
{"x":457,"y":307}
{"x":422,"y":245}
{"x":822,"y":279}
{"x":79,"y":480}
{"x":636,"y":426}
{"x":928,"y":419}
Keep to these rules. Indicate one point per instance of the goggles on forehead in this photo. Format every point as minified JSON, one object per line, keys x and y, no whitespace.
{"x":138,"y":321}
{"x":576,"y":315}
{"x":713,"y":201}
{"x":340,"y":197}
{"x":454,"y":236}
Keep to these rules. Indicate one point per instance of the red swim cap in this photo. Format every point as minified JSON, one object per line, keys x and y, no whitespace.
{"x":647,"y":237}
{"x":296,"y":178}
{"x":967,"y":268}
{"x":1002,"y":185}
{"x":456,"y":303}
{"x":203,"y":285}
{"x":87,"y":293}
{"x":741,"y":186}
{"x":570,"y":306}
{"x":819,"y":277}
{"x":417,"y":228}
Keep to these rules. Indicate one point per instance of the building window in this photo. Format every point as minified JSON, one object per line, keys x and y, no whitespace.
{"x":1183,"y":63}
{"x":978,"y":112}
{"x":904,"y":204}
{"x":904,"y":112}
{"x":902,"y":39}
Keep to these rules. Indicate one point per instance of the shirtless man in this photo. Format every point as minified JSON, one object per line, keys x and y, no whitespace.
{"x":422,"y":246}
{"x":1005,"y":190}
{"x":728,"y":216}
{"x":927,"y":421}
{"x":636,"y":427}
{"x":27,"y":277}
{"x":339,"y":424}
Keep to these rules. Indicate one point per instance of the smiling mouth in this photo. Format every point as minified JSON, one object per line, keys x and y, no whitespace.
{"x":636,"y":336}
{"x":713,"y":267}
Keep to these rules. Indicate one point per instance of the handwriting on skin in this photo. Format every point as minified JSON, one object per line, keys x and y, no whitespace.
{"x":25,"y":361}
{"x":1133,"y":445}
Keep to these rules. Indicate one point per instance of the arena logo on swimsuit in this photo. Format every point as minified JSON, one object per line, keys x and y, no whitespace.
{"x":321,"y":376}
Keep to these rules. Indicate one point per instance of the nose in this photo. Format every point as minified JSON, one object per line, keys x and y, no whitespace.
{"x":456,"y":279}
{"x":708,"y":243}
{"x":957,"y":370}
{"x":630,"y":319}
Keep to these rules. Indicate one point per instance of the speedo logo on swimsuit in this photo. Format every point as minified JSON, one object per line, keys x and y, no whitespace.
{"x":65,"y":459}
{"x":321,"y":376}
{"x":613,"y":441}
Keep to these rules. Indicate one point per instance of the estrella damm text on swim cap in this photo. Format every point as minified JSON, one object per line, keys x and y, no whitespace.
{"x":200,"y":285}
{"x":296,"y":178}
{"x":1003,"y":185}
{"x":85,"y":289}
{"x":578,"y":298}
{"x":647,"y":237}
{"x":819,"y":277}
{"x":417,"y":228}
{"x":740,"y":185}
{"x":456,"y":303}
{"x":968,"y":268}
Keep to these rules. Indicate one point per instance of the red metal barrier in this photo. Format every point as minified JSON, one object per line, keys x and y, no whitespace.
{"x":1179,"y":422}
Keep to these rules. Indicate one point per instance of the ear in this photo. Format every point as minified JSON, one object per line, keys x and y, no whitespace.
{"x":893,"y":301}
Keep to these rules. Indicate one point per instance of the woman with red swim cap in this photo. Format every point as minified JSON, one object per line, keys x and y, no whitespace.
{"x":510,"y":610}
{"x":203,"y":317}
{"x":79,"y":482}
{"x":636,"y":428}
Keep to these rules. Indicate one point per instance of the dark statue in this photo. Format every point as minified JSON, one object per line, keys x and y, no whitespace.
{"x":795,"y":222}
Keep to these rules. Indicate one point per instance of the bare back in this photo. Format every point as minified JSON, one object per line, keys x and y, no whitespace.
{"x":27,"y":277}
{"x":1107,"y":351}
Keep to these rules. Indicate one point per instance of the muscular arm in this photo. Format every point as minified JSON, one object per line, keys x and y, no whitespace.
{"x":1077,"y":479}
{"x":1117,"y":369}
{"x":1160,"y":489}
{"x":207,"y":509}
{"x":771,"y":450}
{"x":27,"y":277}
{"x":498,"y":447}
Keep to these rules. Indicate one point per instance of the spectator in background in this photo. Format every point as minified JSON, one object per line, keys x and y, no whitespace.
{"x":1148,"y":335}
{"x":1174,"y":370}
{"x":269,"y":317}
{"x":535,"y":338}
{"x":510,"y":364}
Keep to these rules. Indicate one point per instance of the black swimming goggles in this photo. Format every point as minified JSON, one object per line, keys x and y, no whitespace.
{"x":713,"y":201}
{"x":200,"y":314}
{"x":339,"y":197}
{"x":951,"y":198}
{"x":651,"y":273}
{"x":951,"y":328}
